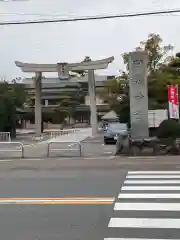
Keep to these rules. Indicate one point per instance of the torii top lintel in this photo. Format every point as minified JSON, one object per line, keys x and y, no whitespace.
{"x":89,"y":65}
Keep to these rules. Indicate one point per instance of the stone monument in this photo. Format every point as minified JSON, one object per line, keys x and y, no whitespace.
{"x":138,"y":61}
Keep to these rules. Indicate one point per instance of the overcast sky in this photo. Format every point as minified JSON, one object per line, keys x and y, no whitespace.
{"x":71,"y":42}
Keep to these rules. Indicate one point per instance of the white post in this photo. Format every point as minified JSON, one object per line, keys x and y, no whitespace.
{"x":92,"y":97}
{"x":177,"y":86}
{"x":46,"y":102}
{"x":38,"y":109}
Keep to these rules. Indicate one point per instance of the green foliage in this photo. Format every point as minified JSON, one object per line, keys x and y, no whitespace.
{"x":7,"y":114}
{"x":114,"y":93}
{"x":69,"y":103}
{"x":157,"y":53}
{"x":123,"y":111}
{"x":169,"y":129}
{"x":173,"y":66}
{"x":163,"y":70}
{"x":17,"y":94}
{"x":125,"y":57}
{"x":157,"y":89}
{"x":12,"y":96}
{"x":58,"y":116}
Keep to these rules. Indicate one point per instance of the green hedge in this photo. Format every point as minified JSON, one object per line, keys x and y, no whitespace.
{"x":169,"y":128}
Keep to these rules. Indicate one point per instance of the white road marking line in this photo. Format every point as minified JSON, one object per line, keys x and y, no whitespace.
{"x":153,"y":172}
{"x":135,"y":239}
{"x":145,"y":223}
{"x":53,"y":200}
{"x":149,"y":195}
{"x":57,"y":159}
{"x":153,"y":176}
{"x":142,"y":158}
{"x":33,"y":159}
{"x":23,"y":159}
{"x":5,"y":160}
{"x":147,"y":206}
{"x":152,"y":182}
{"x":154,"y":188}
{"x":96,"y":158}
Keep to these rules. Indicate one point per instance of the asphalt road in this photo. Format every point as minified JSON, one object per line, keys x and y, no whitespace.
{"x":147,"y":207}
{"x":53,"y":222}
{"x":33,"y":179}
{"x":24,"y":182}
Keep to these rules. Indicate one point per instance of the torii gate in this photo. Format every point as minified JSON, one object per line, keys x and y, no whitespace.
{"x":63,"y":71}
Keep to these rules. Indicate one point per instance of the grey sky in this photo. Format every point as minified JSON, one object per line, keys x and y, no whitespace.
{"x":60,"y":42}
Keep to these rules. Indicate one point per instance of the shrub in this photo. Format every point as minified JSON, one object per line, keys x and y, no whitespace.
{"x":169,"y":128}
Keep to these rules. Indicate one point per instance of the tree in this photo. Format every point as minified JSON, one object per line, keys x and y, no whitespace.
{"x":173,"y":66}
{"x":17,"y":94}
{"x":7,"y":114}
{"x":12,"y":96}
{"x":158,"y":78}
{"x":168,"y":74}
{"x":169,"y":128}
{"x":157,"y":53}
{"x":70,"y":102}
{"x":116,"y":93}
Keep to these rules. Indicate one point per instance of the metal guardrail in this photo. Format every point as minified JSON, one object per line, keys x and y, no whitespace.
{"x":64,"y":149}
{"x":13,"y":150}
{"x":65,"y":132}
{"x":5,"y":137}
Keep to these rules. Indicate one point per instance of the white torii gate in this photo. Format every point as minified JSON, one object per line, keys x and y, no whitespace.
{"x":63,"y":70}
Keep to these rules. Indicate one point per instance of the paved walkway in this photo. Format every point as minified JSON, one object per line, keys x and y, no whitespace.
{"x":80,"y":135}
{"x":25,"y":131}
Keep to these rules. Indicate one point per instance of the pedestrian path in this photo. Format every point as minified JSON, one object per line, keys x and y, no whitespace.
{"x":77,"y":136}
{"x":80,"y":135}
{"x":147,"y":207}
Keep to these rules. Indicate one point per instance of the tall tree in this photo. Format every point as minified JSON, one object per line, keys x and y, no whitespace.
{"x":116,"y":93}
{"x":70,"y":102}
{"x":173,"y":66}
{"x":157,"y":53}
{"x":12,"y":96}
{"x":157,"y":78}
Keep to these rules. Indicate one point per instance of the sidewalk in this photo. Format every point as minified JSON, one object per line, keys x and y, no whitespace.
{"x":80,"y":135}
{"x":24,"y":131}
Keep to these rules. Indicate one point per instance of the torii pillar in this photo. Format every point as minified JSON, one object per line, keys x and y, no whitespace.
{"x":63,"y":70}
{"x":38,"y":105}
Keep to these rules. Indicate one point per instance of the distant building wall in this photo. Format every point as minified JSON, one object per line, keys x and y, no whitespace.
{"x":52,"y":89}
{"x":99,"y":101}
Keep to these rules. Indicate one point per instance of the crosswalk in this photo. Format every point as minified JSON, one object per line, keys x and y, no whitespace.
{"x":147,"y":207}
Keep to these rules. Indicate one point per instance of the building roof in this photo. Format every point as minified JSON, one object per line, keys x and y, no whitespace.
{"x":57,"y":83}
{"x":81,"y":107}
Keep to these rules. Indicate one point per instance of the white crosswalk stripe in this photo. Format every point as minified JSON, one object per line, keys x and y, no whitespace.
{"x":147,"y":207}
